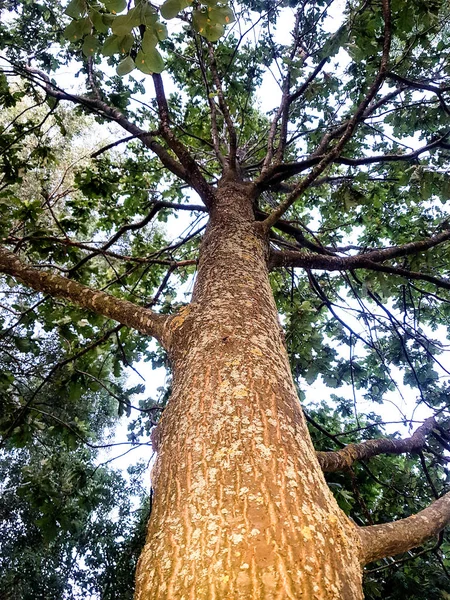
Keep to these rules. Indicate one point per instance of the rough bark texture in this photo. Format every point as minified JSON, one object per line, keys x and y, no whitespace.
{"x":344,"y":458}
{"x":389,"y":539}
{"x":241,"y":506}
{"x":123,"y":311}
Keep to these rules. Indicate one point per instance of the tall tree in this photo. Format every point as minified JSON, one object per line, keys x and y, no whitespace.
{"x":337,"y":197}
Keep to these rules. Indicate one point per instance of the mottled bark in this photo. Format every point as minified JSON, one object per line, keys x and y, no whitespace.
{"x":127,"y":313}
{"x":345,"y":457}
{"x":400,"y":536}
{"x":241,"y":506}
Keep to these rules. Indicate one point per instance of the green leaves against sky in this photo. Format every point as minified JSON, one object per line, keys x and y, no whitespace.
{"x":137,"y":33}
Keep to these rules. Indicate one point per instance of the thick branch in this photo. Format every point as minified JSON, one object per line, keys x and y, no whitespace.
{"x":194,"y":176}
{"x":187,"y":171}
{"x":400,"y":536}
{"x":345,"y":457}
{"x":403,"y":250}
{"x":368,"y":260}
{"x":143,"y":320}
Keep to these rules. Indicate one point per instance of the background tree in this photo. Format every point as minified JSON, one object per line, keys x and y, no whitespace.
{"x":341,"y":192}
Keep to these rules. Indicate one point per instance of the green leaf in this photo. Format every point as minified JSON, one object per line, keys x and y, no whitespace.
{"x":124,"y":24}
{"x":98,"y":22}
{"x":171,"y":8}
{"x":161,"y":31}
{"x":200,"y":20}
{"x":116,"y":6}
{"x":149,"y":42}
{"x":76,"y":9}
{"x":149,"y":62}
{"x":108,"y":19}
{"x":147,"y":14}
{"x":125,"y":66}
{"x":223,"y":15}
{"x":125,"y":43}
{"x":90,"y":45}
{"x":445,"y":191}
{"x":213,"y":32}
{"x":206,"y":26}
{"x":23,"y":344}
{"x":335,"y":42}
{"x":111,"y":45}
{"x":77,"y":29}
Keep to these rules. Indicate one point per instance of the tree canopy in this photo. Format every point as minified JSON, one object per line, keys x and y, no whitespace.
{"x":349,"y":163}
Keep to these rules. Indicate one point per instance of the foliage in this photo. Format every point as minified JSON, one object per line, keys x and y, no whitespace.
{"x":68,"y":529}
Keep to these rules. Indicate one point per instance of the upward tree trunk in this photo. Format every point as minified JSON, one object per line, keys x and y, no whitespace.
{"x":241,"y":506}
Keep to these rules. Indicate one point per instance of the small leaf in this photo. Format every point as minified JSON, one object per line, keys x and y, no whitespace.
{"x":124,"y":24}
{"x":77,"y":29}
{"x":90,"y":45}
{"x":125,"y":66}
{"x":116,"y":6}
{"x":213,"y":32}
{"x":22,"y":344}
{"x":223,"y":15}
{"x":108,"y":19}
{"x":335,"y":42}
{"x":200,"y":20}
{"x":147,"y":15}
{"x":75,"y":9}
{"x":125,"y":43}
{"x":150,"y":62}
{"x":161,"y":31}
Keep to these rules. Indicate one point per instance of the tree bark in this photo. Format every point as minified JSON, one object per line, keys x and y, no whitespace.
{"x":344,"y":458}
{"x":389,"y":539}
{"x":142,"y":319}
{"x":241,"y":506}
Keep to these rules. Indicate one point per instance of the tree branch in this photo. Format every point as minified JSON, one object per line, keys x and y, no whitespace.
{"x":212,"y":107}
{"x":400,"y":536}
{"x":194,"y":176}
{"x":423,"y":85}
{"x":350,"y":127}
{"x":287,"y":170}
{"x":283,"y":111}
{"x":344,"y":458}
{"x":187,"y":170}
{"x":232,"y":137}
{"x":143,"y":320}
{"x":368,"y":260}
{"x":133,"y":227}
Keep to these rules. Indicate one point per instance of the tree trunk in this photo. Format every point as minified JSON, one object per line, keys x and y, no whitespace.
{"x":241,"y":506}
